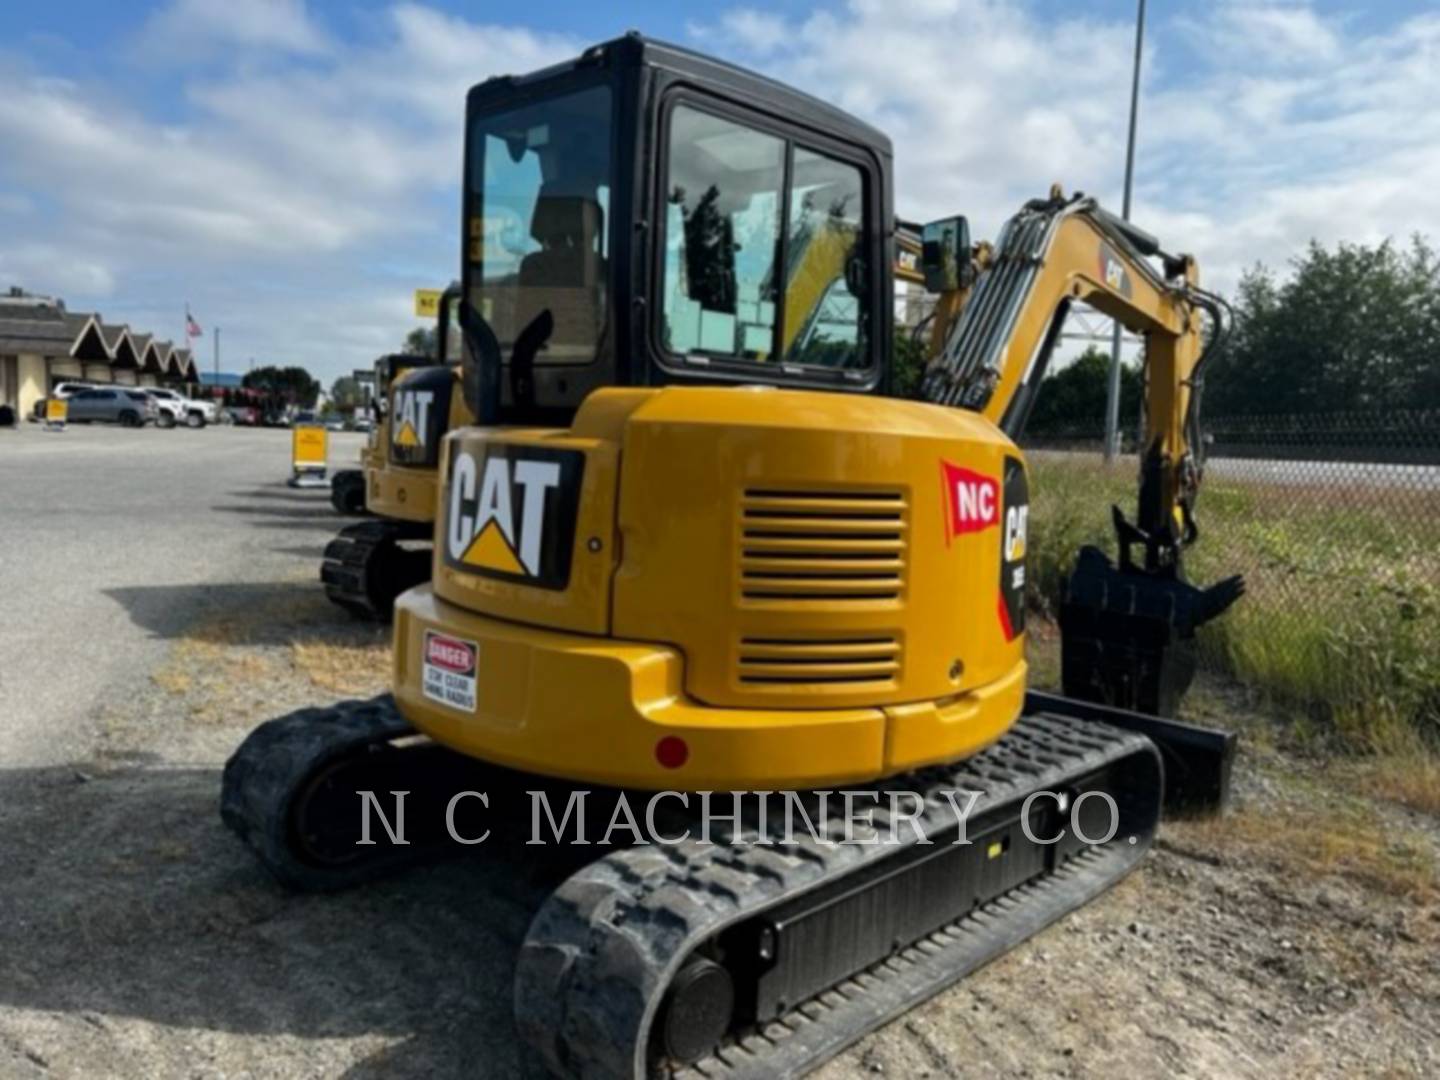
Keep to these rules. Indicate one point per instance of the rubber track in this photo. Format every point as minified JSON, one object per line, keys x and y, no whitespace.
{"x":353,"y":578}
{"x":274,"y":763}
{"x":347,"y":491}
{"x":600,"y":953}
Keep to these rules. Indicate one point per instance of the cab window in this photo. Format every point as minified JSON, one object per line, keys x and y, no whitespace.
{"x":763,"y":249}
{"x":824,"y":318}
{"x":722,"y":237}
{"x":540,"y":197}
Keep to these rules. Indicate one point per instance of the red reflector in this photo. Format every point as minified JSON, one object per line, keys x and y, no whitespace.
{"x":671,"y":752}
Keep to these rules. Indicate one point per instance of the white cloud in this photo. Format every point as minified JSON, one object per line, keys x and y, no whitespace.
{"x":1262,"y":125}
{"x":303,"y":184}
{"x":186,"y":31}
{"x":971,"y":91}
{"x":295,"y":204}
{"x":63,"y":270}
{"x":1272,"y":34}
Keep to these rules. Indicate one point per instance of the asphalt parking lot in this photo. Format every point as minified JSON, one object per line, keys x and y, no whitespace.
{"x":113,"y":540}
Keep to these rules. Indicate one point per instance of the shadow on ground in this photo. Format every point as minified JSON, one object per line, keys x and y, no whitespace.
{"x":252,"y":613}
{"x":283,"y":492}
{"x":143,"y":908}
{"x":309,"y":551}
{"x":325,"y":513}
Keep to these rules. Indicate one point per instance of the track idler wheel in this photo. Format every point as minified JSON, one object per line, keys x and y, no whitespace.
{"x":697,"y":1011}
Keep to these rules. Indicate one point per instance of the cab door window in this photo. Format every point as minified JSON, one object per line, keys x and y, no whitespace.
{"x":825,"y":286}
{"x":722,"y":237}
{"x":764,"y":248}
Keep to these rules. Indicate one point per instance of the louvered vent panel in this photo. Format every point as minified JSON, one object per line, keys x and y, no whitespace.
{"x":801,"y":662}
{"x":815,"y":546}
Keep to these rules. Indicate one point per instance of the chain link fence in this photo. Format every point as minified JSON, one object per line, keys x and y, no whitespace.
{"x":1335,"y":522}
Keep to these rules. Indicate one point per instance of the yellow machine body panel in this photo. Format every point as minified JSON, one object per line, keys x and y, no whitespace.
{"x":801,"y":587}
{"x":608,"y":711}
{"x":402,"y":492}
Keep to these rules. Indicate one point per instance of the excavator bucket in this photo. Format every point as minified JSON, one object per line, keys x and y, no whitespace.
{"x":1127,"y":641}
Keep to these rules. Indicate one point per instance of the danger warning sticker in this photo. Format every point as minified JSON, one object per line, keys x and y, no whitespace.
{"x":449,"y":670}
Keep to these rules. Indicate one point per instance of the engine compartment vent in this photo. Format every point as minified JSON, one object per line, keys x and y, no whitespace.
{"x":821,"y":546}
{"x":868,"y":659}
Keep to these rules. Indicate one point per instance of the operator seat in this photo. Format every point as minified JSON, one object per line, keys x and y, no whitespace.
{"x":567,"y":276}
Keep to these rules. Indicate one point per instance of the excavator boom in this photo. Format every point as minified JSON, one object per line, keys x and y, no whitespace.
{"x":1127,"y":630}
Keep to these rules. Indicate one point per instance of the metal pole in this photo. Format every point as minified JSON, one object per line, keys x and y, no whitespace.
{"x":217,"y":356}
{"x":1112,"y":395}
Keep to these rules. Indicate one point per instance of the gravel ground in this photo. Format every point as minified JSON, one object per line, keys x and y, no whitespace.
{"x":159,"y":600}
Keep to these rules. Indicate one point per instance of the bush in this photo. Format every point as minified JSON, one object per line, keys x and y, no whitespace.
{"x":1342,"y":617}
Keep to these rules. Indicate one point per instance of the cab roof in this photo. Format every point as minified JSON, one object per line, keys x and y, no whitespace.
{"x":636,"y":50}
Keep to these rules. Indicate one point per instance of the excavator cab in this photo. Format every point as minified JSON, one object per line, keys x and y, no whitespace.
{"x":643,"y":216}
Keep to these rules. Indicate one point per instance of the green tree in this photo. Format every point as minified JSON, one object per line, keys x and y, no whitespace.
{"x":347,"y":394}
{"x":1353,"y":328}
{"x":284,"y":386}
{"x":421,"y":341}
{"x":1073,"y":397}
{"x":909,"y":363}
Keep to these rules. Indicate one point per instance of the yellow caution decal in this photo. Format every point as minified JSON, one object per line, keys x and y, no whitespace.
{"x":491,"y":551}
{"x":406,"y":436}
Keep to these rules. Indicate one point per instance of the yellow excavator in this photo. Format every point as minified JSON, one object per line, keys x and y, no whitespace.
{"x":370,"y":563}
{"x":692,"y":544}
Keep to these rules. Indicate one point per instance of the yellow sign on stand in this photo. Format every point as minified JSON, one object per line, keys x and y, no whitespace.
{"x":427,"y":303}
{"x":57,"y":411}
{"x":309,"y":456}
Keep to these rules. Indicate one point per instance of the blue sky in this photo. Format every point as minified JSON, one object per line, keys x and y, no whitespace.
{"x":291,"y":168}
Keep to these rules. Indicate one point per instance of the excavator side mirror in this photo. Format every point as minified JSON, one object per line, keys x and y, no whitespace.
{"x":945,"y":254}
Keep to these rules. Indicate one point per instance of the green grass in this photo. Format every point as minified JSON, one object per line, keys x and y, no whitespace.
{"x":1341,"y":624}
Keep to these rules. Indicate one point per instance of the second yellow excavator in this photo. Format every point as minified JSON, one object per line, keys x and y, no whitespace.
{"x":372,"y":562}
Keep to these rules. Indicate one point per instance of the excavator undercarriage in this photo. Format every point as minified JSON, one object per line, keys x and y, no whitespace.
{"x":372,"y":562}
{"x":347,"y":491}
{"x":772,"y":947}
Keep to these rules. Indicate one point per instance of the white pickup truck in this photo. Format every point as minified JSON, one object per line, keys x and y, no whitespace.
{"x":192,"y":412}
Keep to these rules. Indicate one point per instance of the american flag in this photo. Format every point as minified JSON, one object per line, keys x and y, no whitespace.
{"x":192,"y":328}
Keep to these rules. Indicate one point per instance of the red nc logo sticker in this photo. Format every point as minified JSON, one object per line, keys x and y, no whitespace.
{"x":972,"y":500}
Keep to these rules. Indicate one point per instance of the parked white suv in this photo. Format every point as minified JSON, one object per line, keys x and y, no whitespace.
{"x":191,"y":412}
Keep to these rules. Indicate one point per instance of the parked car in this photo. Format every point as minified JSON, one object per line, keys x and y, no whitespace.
{"x":192,"y":412}
{"x":127,"y":406}
{"x":243,"y":415}
{"x":63,"y":391}
{"x":168,"y":413}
